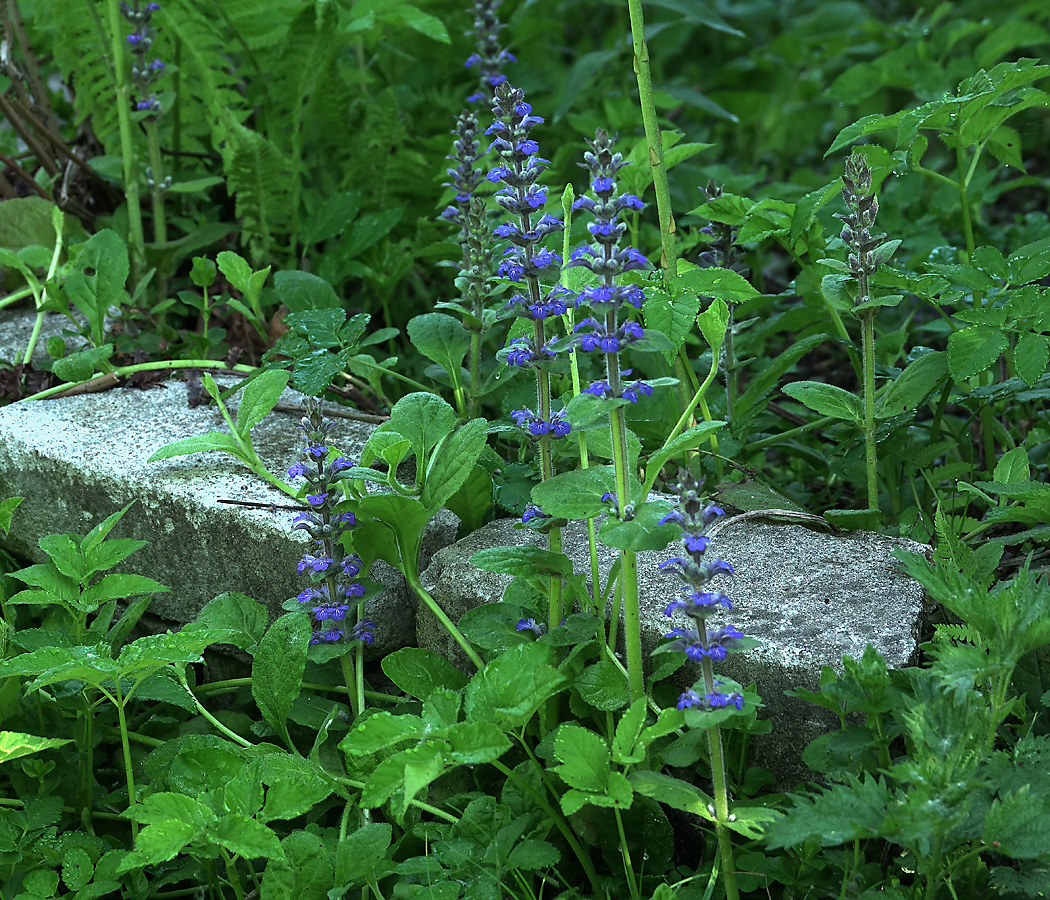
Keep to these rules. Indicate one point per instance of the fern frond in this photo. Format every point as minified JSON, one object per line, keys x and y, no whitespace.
{"x":958,"y":633}
{"x":81,"y":42}
{"x":206,"y":76}
{"x":257,"y":176}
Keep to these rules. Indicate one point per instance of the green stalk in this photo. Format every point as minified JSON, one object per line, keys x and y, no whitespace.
{"x":136,"y":238}
{"x":870,"y":451}
{"x":718,"y":783}
{"x":987,"y":435}
{"x":125,"y":746}
{"x":160,"y":223}
{"x":57,"y":219}
{"x":106,"y":379}
{"x":232,"y":735}
{"x":647,"y":106}
{"x":413,"y":582}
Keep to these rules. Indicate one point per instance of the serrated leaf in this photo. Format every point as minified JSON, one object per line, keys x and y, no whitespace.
{"x":15,"y":744}
{"x":674,"y":317}
{"x":246,"y":837}
{"x":974,"y":349}
{"x":1013,"y":467}
{"x":420,"y":672}
{"x":603,"y":686}
{"x":642,"y":533}
{"x":625,"y":749}
{"x":511,"y":688}
{"x":911,"y":388}
{"x":380,"y":731}
{"x":1030,"y":356}
{"x":584,"y":757}
{"x":277,"y":671}
{"x":713,"y":322}
{"x":718,"y":283}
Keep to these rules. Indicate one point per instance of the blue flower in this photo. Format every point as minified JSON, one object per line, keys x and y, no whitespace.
{"x":698,"y":604}
{"x":531,"y":625}
{"x":532,"y":511}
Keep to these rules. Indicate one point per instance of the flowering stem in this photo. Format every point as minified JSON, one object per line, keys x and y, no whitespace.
{"x":160,"y":223}
{"x":718,"y":783}
{"x":870,"y":452}
{"x":136,"y":239}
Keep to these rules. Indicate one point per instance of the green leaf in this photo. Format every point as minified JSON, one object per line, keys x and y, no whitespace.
{"x":198,"y":443}
{"x":584,"y":758}
{"x":643,"y":532}
{"x":687,"y":440}
{"x":868,"y":125}
{"x":259,"y":398}
{"x":420,"y":672}
{"x":80,"y":366}
{"x":625,"y":747}
{"x":97,"y":280}
{"x":673,"y":791}
{"x":246,"y":837}
{"x":1030,"y":356}
{"x":527,"y":560}
{"x":332,"y":217}
{"x":157,"y":844}
{"x":718,"y":284}
{"x":304,"y":290}
{"x":835,"y":816}
{"x":277,"y":672}
{"x":7,"y":510}
{"x":974,"y":349}
{"x":673,"y":317}
{"x":292,"y":796}
{"x":404,"y":774}
{"x":511,"y":688}
{"x":14,"y":744}
{"x":425,"y":420}
{"x":576,"y":494}
{"x":1013,"y":467}
{"x":713,"y":322}
{"x":530,"y":855}
{"x":406,"y":517}
{"x":603,"y":686}
{"x":166,"y":806}
{"x":474,"y":743}
{"x":441,"y":338}
{"x":76,"y":868}
{"x":453,"y":461}
{"x":243,"y":618}
{"x":826,"y":399}
{"x":911,"y":388}
{"x":380,"y":731}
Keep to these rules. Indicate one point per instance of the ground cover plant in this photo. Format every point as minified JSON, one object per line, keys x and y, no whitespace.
{"x":774,"y":255}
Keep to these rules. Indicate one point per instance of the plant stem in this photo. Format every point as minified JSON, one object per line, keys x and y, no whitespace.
{"x":413,"y":582}
{"x":870,"y":451}
{"x":718,"y":783}
{"x":136,"y":238}
{"x":129,"y":775}
{"x":160,"y":224}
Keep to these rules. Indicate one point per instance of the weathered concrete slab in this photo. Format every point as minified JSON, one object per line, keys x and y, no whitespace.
{"x":809,"y":597}
{"x":77,"y":460}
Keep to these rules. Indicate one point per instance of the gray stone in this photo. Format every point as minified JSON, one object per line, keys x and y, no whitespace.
{"x":79,"y":459}
{"x":810,"y":597}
